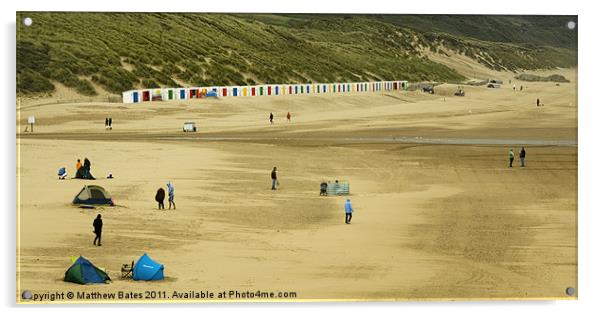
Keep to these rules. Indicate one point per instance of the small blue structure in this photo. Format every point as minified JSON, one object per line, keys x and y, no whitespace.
{"x":135,"y":96}
{"x":212,"y":93}
{"x":337,"y":188}
{"x":146,"y":269}
{"x":62,"y":173}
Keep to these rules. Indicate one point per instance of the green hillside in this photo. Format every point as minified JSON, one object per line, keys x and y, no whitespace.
{"x":121,"y":51}
{"x":539,"y":30}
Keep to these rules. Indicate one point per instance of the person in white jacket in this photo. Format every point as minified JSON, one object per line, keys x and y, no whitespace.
{"x":170,"y":193}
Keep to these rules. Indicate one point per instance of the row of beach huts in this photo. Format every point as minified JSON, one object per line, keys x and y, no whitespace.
{"x":160,"y":94}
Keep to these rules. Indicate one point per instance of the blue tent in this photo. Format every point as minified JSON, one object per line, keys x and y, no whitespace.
{"x":211,"y":94}
{"x":146,"y":269}
{"x":83,"y":271}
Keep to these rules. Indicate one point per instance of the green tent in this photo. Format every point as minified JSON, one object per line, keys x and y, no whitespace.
{"x":83,"y":271}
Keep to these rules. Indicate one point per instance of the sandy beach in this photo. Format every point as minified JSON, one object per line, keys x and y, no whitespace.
{"x":438,"y":212}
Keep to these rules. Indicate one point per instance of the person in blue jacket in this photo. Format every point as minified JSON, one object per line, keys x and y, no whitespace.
{"x":170,"y":193}
{"x":348,"y":211}
{"x":62,"y":173}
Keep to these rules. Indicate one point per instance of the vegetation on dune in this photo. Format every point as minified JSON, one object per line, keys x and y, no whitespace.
{"x":122,"y":51}
{"x":537,"y":30}
{"x":504,"y":56}
{"x":551,"y":78}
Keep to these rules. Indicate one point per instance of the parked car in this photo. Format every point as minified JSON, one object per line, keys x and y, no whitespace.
{"x":460,"y":93}
{"x":428,"y":89}
{"x":189,"y":127}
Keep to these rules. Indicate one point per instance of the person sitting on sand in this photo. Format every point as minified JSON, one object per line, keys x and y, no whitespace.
{"x":87,"y":166}
{"x":160,"y":197}
{"x":62,"y":173}
{"x":170,"y":192}
{"x":323,"y":188}
{"x":348,"y":211}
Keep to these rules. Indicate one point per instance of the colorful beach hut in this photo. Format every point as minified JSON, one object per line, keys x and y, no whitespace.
{"x":149,"y":95}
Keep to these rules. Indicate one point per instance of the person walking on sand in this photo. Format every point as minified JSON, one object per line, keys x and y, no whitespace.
{"x":170,"y":192}
{"x":522,"y":156}
{"x":271,"y":118}
{"x":274,"y":178}
{"x":160,"y":197}
{"x":511,"y":157}
{"x":97,"y":224}
{"x":110,"y":123}
{"x":348,"y":211}
{"x":106,"y":123}
{"x":288,"y":116}
{"x":78,"y":165}
{"x":537,"y":101}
